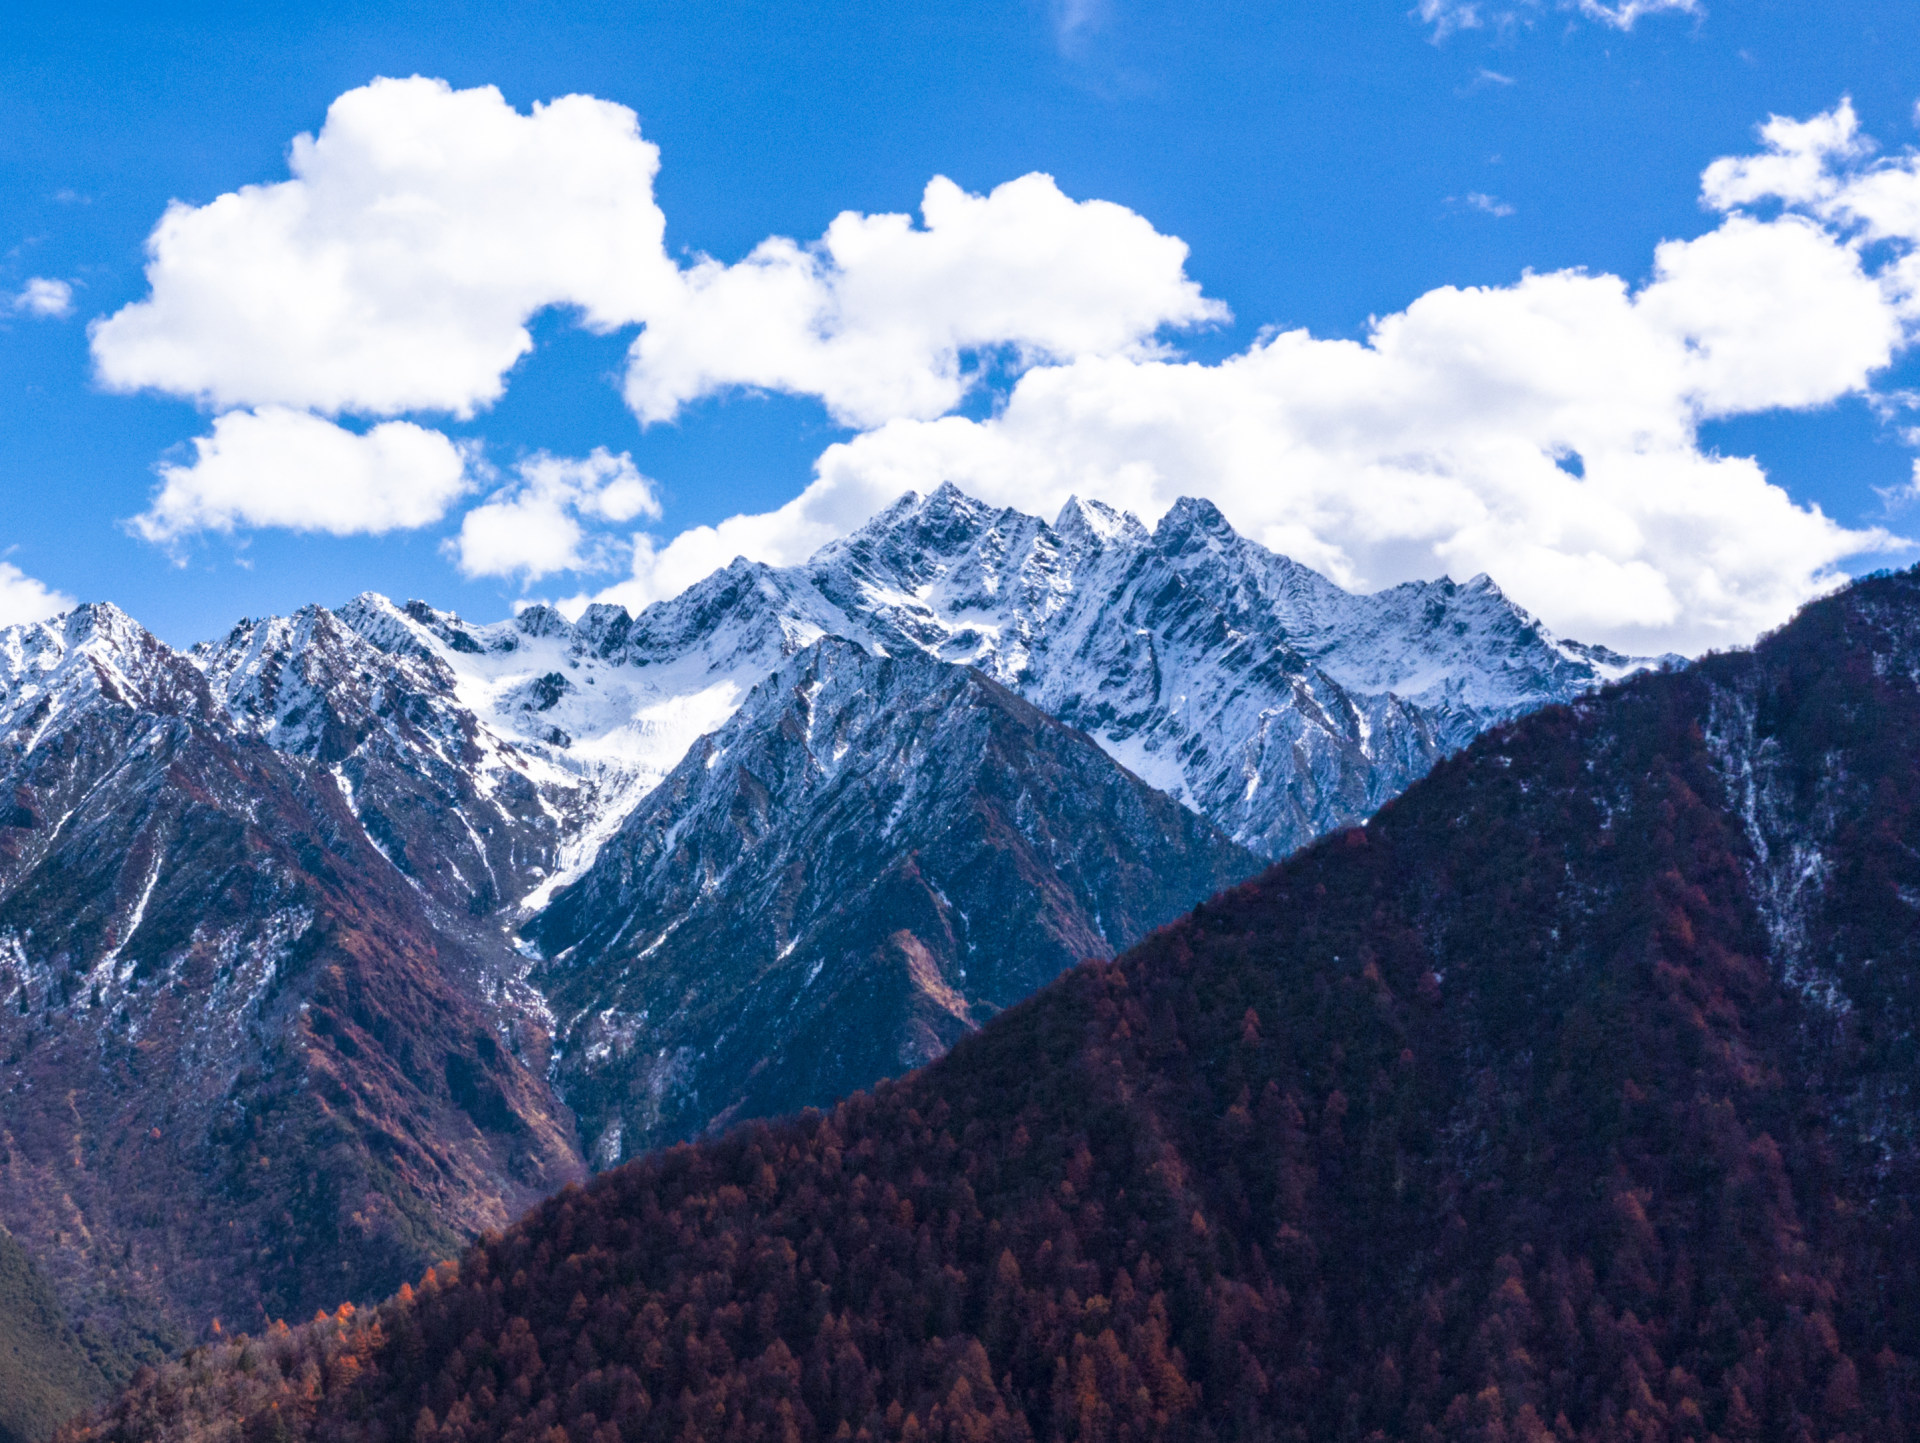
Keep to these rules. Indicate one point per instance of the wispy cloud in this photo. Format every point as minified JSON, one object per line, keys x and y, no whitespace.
{"x":1622,"y":15}
{"x":1484,"y":79}
{"x":48,"y":300}
{"x":1905,"y":495}
{"x":1074,"y":21}
{"x":1447,"y":16}
{"x":1479,"y":200}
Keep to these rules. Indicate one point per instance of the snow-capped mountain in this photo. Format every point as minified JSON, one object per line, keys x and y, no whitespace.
{"x":247,"y":1069}
{"x":1578,"y":1086}
{"x":872,"y":856}
{"x":1245,"y":684}
{"x":506,"y":753}
{"x":309,"y":937}
{"x":1249,"y":687}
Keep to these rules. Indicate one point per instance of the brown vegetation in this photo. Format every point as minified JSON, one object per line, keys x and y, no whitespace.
{"x":1535,"y":1110}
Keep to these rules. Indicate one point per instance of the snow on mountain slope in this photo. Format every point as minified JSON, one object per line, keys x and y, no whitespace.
{"x":54,"y":669}
{"x":872,"y":856}
{"x":490,"y":762}
{"x":1250,"y":687}
{"x":248,"y":1067}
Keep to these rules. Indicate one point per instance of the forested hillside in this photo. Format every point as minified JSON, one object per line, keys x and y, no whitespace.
{"x":46,"y":1375}
{"x":1571,"y":1098}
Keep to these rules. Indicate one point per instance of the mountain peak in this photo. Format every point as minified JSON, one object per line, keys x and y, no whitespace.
{"x":1096,"y":519}
{"x":541,"y":620}
{"x":105,"y":630}
{"x":48,"y":668}
{"x":891,"y":518}
{"x":945,"y":518}
{"x":385,"y":624}
{"x":1191,"y":519}
{"x":99,"y":616}
{"x":603,"y":626}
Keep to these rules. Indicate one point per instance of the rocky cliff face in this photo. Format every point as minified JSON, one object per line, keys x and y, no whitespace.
{"x":245,"y":1071}
{"x":464,"y":814}
{"x":1249,"y":686}
{"x":874,"y":855}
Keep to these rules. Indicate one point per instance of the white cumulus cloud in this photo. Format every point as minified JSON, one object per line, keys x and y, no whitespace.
{"x":397,"y":269}
{"x":23,"y":599}
{"x":423,"y":227}
{"x":1824,"y":168}
{"x":45,"y":298}
{"x":534,"y":528}
{"x":1545,"y":432}
{"x":878,"y":318}
{"x":275,"y":466}
{"x":1798,"y":164}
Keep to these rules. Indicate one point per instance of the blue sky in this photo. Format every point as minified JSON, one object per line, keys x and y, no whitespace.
{"x":1324,"y":165}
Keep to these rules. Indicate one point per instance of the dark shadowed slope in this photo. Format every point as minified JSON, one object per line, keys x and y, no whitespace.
{"x":1572,"y":1098}
{"x":46,"y":1375}
{"x":874,"y":855}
